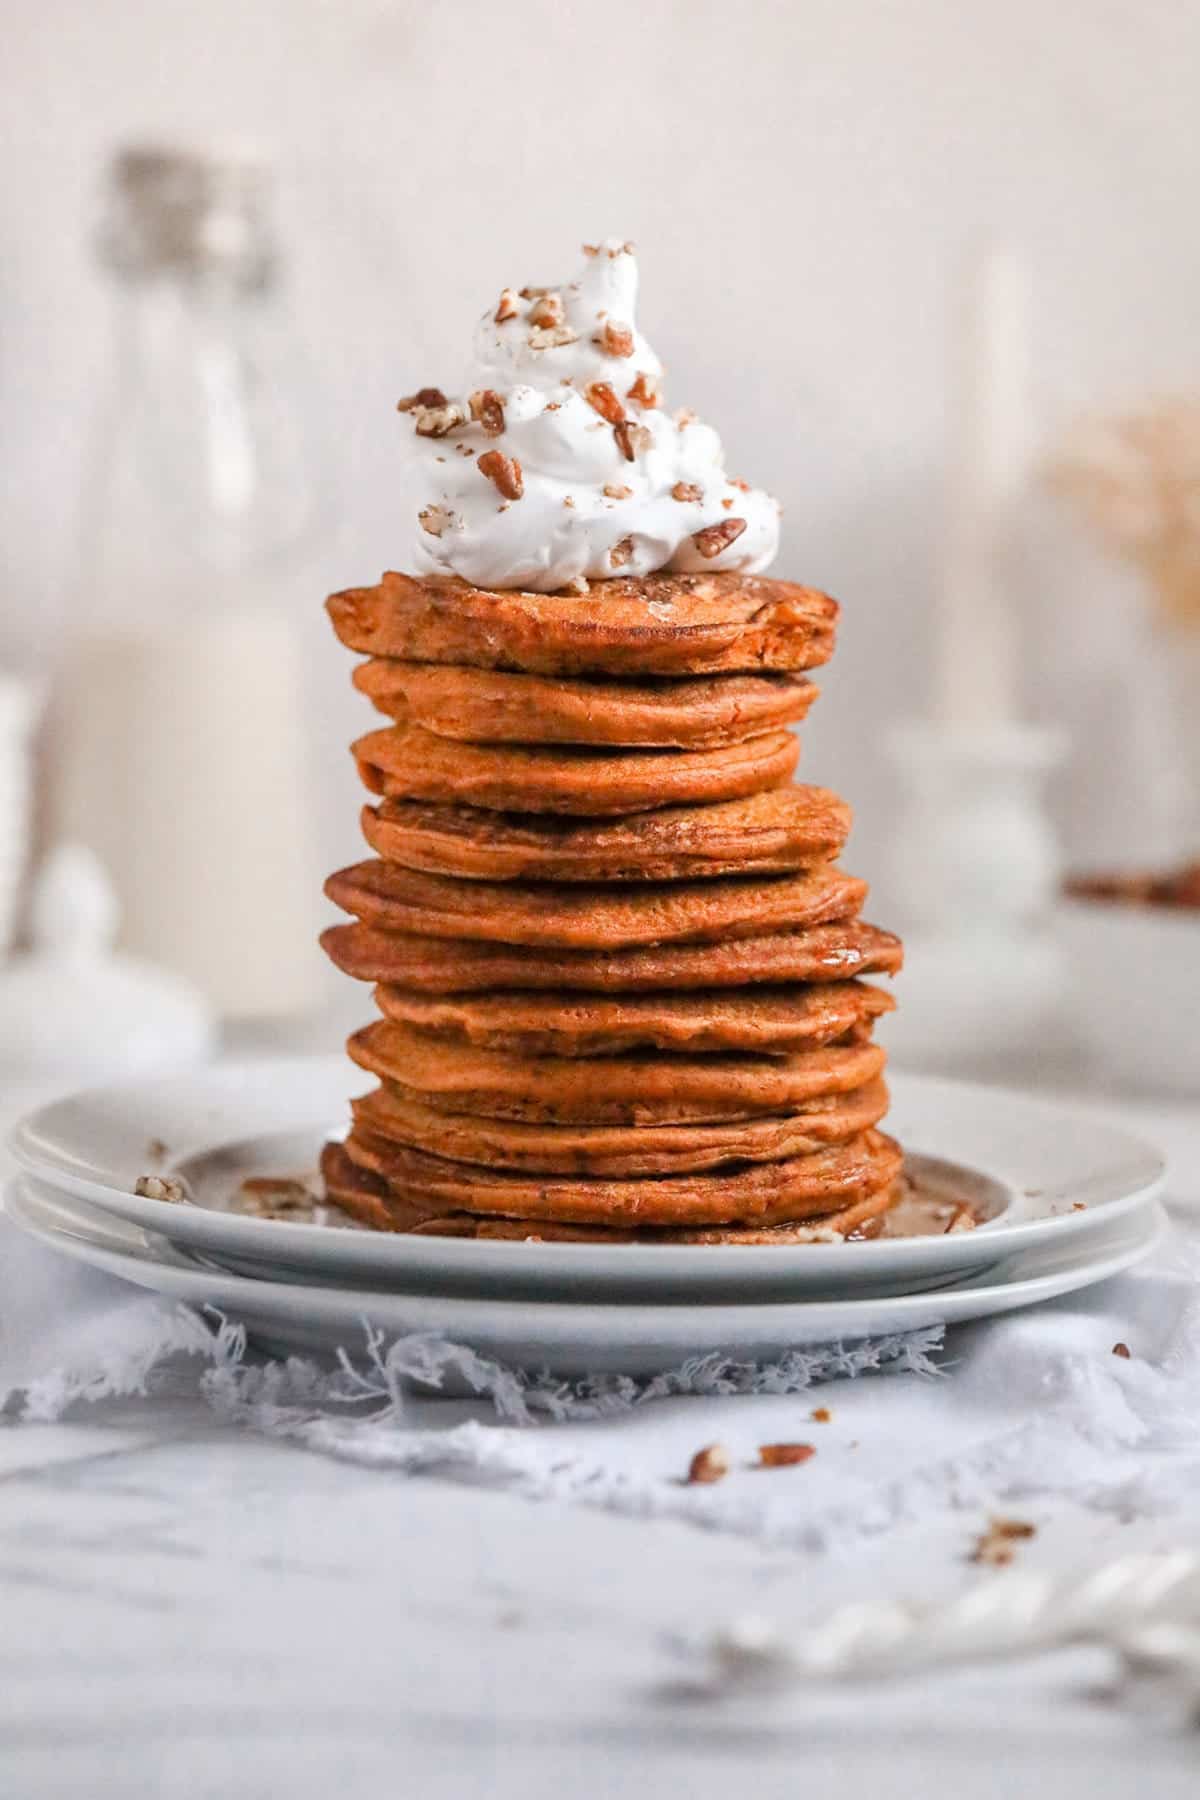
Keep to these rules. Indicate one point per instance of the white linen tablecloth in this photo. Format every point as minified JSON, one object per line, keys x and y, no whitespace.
{"x":1031,"y":1415}
{"x":1029,"y":1404}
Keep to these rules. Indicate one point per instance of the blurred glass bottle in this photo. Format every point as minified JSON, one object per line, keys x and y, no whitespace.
{"x":179,"y":749}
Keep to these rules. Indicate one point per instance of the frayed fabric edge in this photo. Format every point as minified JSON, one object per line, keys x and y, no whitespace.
{"x":365,"y":1409}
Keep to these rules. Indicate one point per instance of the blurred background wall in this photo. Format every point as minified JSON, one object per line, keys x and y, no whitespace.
{"x":803,"y":181}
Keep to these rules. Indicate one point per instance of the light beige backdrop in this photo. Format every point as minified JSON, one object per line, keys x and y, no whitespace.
{"x":803,"y":181}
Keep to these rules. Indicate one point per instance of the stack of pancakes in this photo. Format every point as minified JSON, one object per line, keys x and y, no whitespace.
{"x":616,"y":962}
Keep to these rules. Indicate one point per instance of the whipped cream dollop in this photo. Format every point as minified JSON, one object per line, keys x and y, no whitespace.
{"x":559,"y":464}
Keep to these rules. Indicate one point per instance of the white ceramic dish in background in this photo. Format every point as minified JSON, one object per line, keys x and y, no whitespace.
{"x":586,"y":1337}
{"x":1134,"y":979}
{"x":1064,"y":1177}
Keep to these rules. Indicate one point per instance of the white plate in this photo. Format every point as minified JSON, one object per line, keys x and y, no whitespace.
{"x":1038,"y":1162}
{"x":586,"y":1337}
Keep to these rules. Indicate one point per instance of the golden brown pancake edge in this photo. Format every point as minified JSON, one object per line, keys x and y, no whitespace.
{"x":831,"y":949}
{"x":775,"y":832}
{"x":656,"y":625}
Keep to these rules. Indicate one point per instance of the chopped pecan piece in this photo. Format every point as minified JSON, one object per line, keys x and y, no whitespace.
{"x":434,"y":519}
{"x":715,"y":538}
{"x":275,"y":1197}
{"x":507,"y":308}
{"x":160,"y":1187}
{"x":1122,"y":1350}
{"x":709,"y":1464}
{"x":820,"y":1415}
{"x":504,"y":472}
{"x":621,"y":553}
{"x":684,"y":417}
{"x":488,"y":408}
{"x":615,"y":491}
{"x":737,"y":482}
{"x":782,"y":1456}
{"x":547,"y":310}
{"x":645,"y":390}
{"x":423,"y":398}
{"x":275,"y":1187}
{"x":603,"y":396}
{"x":995,"y":1545}
{"x":551,"y":337}
{"x":438,"y":421}
{"x":686,"y":490}
{"x":631,"y":439}
{"x":614,"y":338}
{"x":535,"y":293}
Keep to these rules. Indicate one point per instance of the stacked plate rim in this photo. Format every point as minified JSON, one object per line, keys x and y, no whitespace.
{"x":1073,"y":1199}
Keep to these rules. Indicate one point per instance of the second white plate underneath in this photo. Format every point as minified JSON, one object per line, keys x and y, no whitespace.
{"x":570,"y":1339}
{"x":1049,"y":1176}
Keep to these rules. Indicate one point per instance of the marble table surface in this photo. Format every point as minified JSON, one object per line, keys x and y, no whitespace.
{"x":187,"y":1611}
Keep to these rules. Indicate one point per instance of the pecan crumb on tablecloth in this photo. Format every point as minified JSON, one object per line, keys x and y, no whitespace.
{"x":784,"y":1456}
{"x":708,"y":1465}
{"x":994,"y":1547}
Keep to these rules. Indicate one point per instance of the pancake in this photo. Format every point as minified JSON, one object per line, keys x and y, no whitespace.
{"x":364,"y":1196}
{"x":490,"y":706}
{"x":762,"y":1020}
{"x":619,"y":1150}
{"x":772,"y":833}
{"x":687,"y":624}
{"x":587,"y":917}
{"x":412,"y":764}
{"x":832,"y":951}
{"x":656,"y":1087}
{"x":804,"y":1187}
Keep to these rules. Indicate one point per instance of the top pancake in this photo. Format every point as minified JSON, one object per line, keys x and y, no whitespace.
{"x":491,"y":706}
{"x":663,"y":624}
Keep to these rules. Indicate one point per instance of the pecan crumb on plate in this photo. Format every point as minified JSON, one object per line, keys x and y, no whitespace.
{"x":161,"y":1187}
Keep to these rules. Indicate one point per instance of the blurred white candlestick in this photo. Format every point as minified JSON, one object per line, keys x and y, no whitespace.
{"x":989,"y":441}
